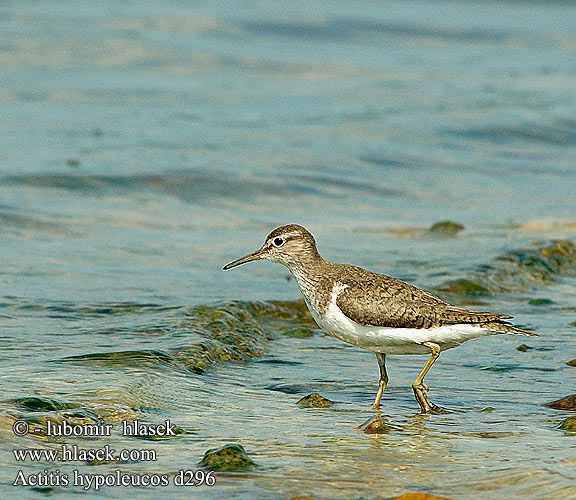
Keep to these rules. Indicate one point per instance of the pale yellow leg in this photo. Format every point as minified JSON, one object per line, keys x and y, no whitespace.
{"x":381,"y":357}
{"x":420,"y":388}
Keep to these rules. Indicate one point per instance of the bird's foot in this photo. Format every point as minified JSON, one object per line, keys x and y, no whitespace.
{"x":426,"y":406}
{"x":437,"y":410}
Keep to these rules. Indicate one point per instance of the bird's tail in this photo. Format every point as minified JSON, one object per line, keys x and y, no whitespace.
{"x":508,"y":328}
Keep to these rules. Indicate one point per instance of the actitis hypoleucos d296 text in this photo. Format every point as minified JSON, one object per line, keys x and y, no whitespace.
{"x":373,"y":311}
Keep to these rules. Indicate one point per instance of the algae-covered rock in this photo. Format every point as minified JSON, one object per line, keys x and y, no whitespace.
{"x":76,"y":417}
{"x":567,"y":403}
{"x":572,"y":362}
{"x":540,"y":302}
{"x":568,"y":424}
{"x":463,"y":287}
{"x":300,"y":332}
{"x":523,"y":348}
{"x":445,"y":228}
{"x":237,"y":331}
{"x":225,"y":332}
{"x":33,"y":403}
{"x":557,"y":258}
{"x":563,"y":249}
{"x":227,"y":457}
{"x":122,"y":358}
{"x":488,"y":409}
{"x":294,"y":310}
{"x":315,"y":400}
{"x":518,"y":270}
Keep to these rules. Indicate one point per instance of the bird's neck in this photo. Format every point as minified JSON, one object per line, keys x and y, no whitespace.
{"x":308,"y":273}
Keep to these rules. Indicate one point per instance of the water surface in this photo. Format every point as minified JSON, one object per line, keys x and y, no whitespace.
{"x":144,"y":146}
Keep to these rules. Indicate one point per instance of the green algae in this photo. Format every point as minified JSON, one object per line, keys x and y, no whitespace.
{"x":122,"y":358}
{"x":445,"y":228}
{"x":236,"y":331}
{"x":229,"y":457}
{"x":568,"y":424}
{"x":315,"y":400}
{"x":299,"y":332}
{"x":39,"y":421}
{"x":463,"y":287}
{"x":198,"y":338}
{"x":559,"y":257}
{"x":33,"y":403}
{"x":540,"y":302}
{"x":233,"y":331}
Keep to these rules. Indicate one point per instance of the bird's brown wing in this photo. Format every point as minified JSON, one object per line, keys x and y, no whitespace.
{"x":378,"y":300}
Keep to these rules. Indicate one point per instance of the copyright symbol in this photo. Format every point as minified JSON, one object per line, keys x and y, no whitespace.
{"x":20,"y":427}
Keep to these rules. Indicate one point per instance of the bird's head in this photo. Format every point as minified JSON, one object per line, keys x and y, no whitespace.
{"x":288,"y":245}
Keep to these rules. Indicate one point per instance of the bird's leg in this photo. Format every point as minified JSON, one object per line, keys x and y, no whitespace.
{"x":381,"y":357}
{"x":420,"y":388}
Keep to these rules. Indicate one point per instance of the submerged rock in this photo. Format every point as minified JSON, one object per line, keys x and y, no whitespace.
{"x":227,"y":457}
{"x":523,"y":348}
{"x":567,"y":403}
{"x":374,"y":425}
{"x":199,"y":337}
{"x":445,"y":228}
{"x":518,"y":270}
{"x":540,"y":302}
{"x":315,"y":400}
{"x":77,"y":417}
{"x":43,"y":404}
{"x":300,"y":332}
{"x":229,"y":331}
{"x":557,"y":258}
{"x":463,"y":287}
{"x":568,"y":424}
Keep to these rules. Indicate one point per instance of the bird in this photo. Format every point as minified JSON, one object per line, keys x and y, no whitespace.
{"x":376,"y":312}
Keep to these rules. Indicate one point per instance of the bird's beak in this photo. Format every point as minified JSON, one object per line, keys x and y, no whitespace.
{"x":247,"y":258}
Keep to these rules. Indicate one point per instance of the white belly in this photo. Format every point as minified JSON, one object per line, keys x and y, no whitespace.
{"x":391,"y":340}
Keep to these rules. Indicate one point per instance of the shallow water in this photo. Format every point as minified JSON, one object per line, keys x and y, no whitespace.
{"x":144,"y":146}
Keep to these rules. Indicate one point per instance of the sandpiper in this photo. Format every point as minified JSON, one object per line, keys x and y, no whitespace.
{"x":376,"y":312}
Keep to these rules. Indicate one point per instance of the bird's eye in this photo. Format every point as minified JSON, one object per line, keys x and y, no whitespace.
{"x":278,"y":242}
